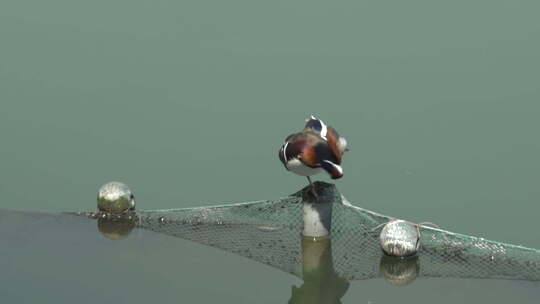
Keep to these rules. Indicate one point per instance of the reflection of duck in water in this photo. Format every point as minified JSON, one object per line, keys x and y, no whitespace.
{"x":318,"y":147}
{"x":321,"y":283}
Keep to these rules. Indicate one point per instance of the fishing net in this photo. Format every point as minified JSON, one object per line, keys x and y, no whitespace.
{"x":270,"y":232}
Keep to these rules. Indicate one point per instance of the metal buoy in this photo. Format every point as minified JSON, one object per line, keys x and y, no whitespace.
{"x":115,"y":197}
{"x":399,"y":238}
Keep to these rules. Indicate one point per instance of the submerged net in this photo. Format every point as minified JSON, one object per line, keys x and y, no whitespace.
{"x":270,"y":232}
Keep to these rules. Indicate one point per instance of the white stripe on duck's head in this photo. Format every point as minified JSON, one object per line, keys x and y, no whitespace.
{"x":316,"y":125}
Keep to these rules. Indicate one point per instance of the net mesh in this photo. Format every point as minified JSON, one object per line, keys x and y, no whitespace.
{"x":270,"y":232}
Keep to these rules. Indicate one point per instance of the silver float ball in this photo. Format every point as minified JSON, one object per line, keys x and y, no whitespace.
{"x":399,"y":238}
{"x":115,"y":197}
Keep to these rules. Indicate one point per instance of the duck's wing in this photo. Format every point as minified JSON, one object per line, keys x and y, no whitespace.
{"x":337,"y":143}
{"x":328,"y":160}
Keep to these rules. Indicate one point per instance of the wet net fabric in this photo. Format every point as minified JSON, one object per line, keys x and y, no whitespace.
{"x":265,"y":231}
{"x":441,"y":253}
{"x":270,"y":232}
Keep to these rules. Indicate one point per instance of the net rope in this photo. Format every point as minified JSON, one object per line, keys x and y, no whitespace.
{"x":270,"y":232}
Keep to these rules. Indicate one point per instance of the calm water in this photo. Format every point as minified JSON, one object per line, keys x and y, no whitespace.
{"x":189,"y":101}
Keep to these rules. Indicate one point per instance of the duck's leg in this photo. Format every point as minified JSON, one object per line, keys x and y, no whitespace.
{"x":312,"y":188}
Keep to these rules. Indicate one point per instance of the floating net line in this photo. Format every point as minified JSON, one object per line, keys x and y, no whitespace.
{"x":270,"y":232}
